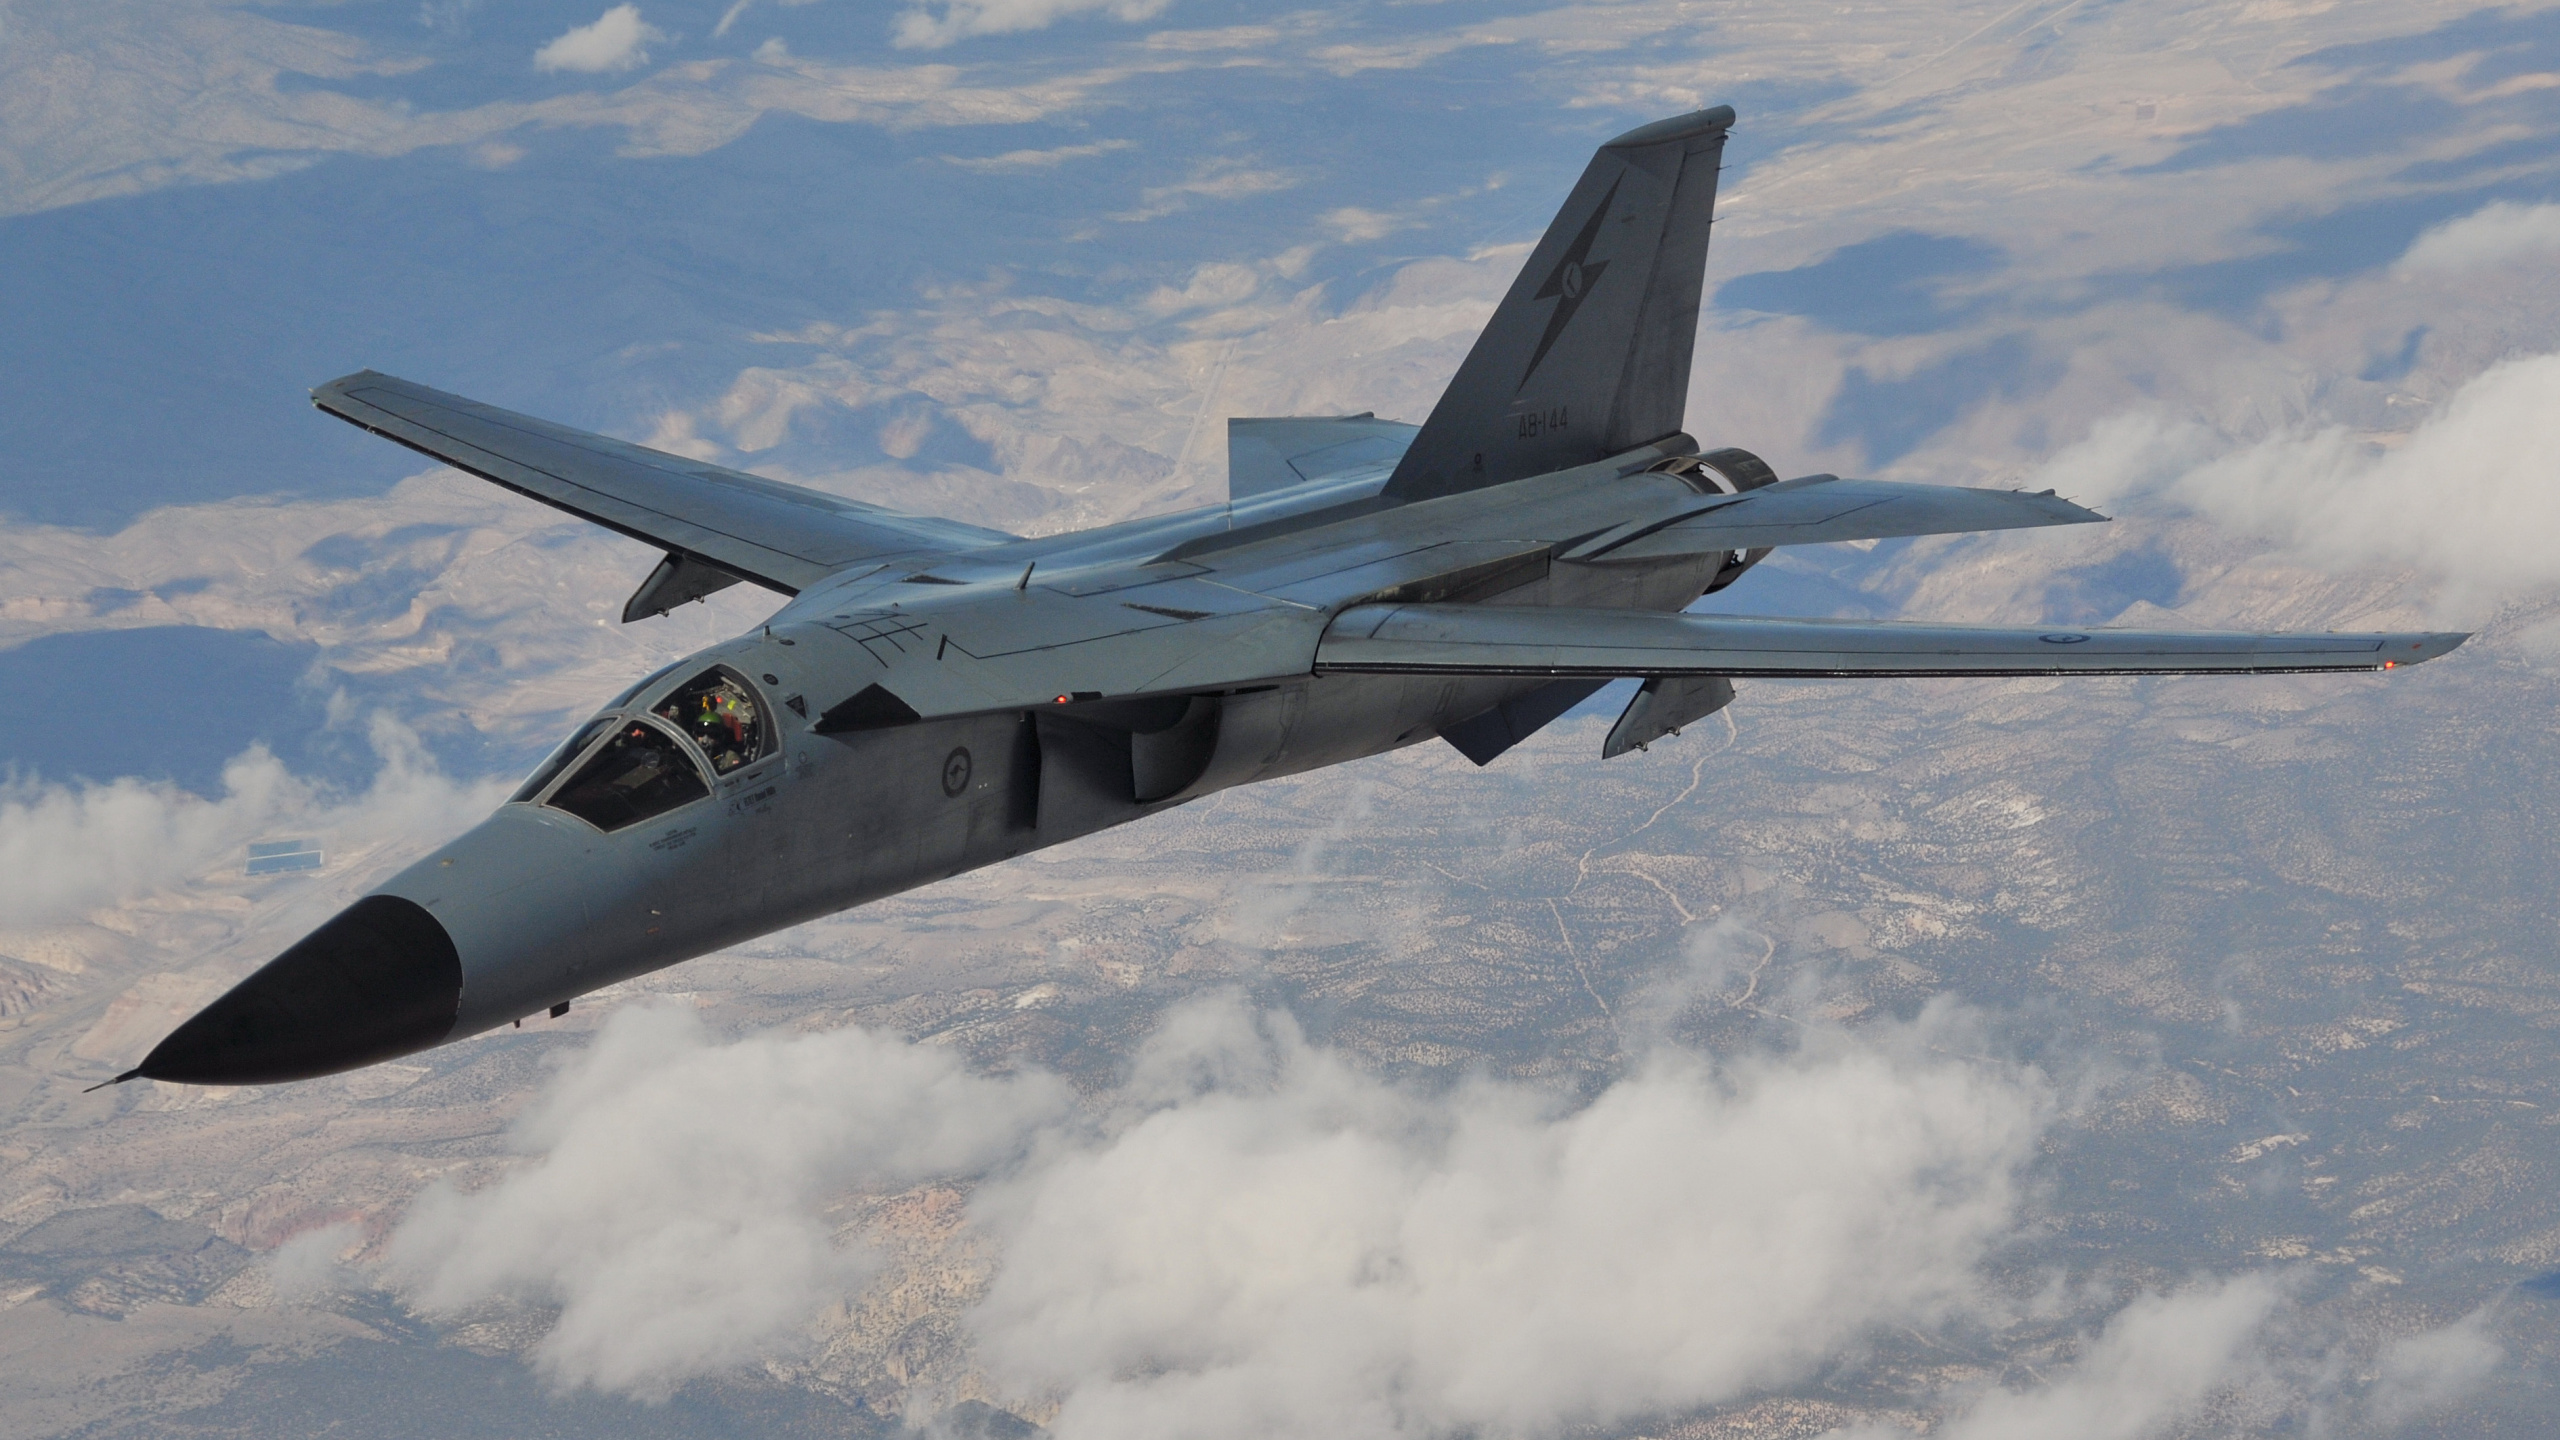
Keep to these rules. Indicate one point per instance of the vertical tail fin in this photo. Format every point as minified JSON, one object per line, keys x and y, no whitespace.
{"x":1589,"y":353}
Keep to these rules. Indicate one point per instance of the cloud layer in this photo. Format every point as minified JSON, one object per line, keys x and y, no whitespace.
{"x":1256,"y":1228}
{"x":1294,"y":1244}
{"x":1253,"y":1236}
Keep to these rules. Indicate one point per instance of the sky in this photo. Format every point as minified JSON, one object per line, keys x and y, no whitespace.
{"x":2268,"y":281}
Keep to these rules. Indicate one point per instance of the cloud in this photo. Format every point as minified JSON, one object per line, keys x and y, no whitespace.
{"x":672,"y":1208}
{"x":311,"y":1264}
{"x":2499,"y":233}
{"x":1215,"y":180}
{"x":617,"y":40}
{"x":112,"y":100}
{"x":1210,"y":287}
{"x":2158,"y":1359}
{"x":2464,"y":498}
{"x":922,"y":28}
{"x":1253,"y":1226}
{"x":1099,"y":412}
{"x":2164,"y":1357}
{"x":1351,"y":223}
{"x":1016,"y":160}
{"x":393,"y":589}
{"x":1274,"y":1236}
{"x":2427,"y":1371}
{"x":71,"y":849}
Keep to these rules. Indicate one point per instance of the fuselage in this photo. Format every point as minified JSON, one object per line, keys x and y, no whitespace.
{"x":544,"y":905}
{"x":788,"y":774}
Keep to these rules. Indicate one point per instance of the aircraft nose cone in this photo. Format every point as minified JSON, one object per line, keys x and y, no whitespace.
{"x":380,"y":980}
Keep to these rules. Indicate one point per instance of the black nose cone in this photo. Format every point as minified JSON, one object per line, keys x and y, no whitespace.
{"x":380,"y":980}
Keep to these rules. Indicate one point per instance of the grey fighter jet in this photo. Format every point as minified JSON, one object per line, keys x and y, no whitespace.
{"x":935,"y":696}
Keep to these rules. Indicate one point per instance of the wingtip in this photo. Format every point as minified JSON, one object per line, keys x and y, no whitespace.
{"x":2420,"y":648}
{"x":2080,"y":514}
{"x":326,"y":387}
{"x":134,"y":1073}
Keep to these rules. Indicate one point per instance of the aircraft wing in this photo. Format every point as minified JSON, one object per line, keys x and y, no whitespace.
{"x":1558,"y":641}
{"x":779,"y":536}
{"x":1822,"y":508}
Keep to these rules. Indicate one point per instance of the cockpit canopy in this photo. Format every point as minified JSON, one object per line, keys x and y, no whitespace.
{"x":642,"y":771}
{"x":626,"y":766}
{"x":719,"y":714}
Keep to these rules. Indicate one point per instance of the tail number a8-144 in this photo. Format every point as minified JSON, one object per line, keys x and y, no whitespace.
{"x":1534,"y":423}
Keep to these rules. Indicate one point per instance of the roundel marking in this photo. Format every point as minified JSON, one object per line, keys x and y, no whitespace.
{"x":955,"y":771}
{"x":2063,"y":639}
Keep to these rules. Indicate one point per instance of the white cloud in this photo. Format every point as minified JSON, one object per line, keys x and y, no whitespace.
{"x":615,"y":41}
{"x":1013,"y":160}
{"x":1255,"y":1228}
{"x":1210,"y":286}
{"x":1096,"y":413}
{"x":70,"y":849}
{"x":672,"y":1210}
{"x":2157,"y":1360}
{"x":2465,"y":498}
{"x":1218,"y":179}
{"x":118,"y":99}
{"x":392,"y":588}
{"x":1352,"y":224}
{"x":922,"y":28}
{"x":2498,"y":233}
{"x":1276,"y":1237}
{"x":2163,"y":1358}
{"x":312,"y":1264}
{"x":2432,"y":1369}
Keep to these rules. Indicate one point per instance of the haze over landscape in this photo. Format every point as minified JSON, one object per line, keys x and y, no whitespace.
{"x":1972,"y":1058}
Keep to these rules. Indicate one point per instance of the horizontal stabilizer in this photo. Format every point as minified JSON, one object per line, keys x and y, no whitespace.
{"x":1272,"y":453}
{"x":780,"y":536}
{"x":1820,"y":508}
{"x":1533,"y":640}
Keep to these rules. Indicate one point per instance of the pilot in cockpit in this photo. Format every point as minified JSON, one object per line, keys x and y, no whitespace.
{"x":718,"y":715}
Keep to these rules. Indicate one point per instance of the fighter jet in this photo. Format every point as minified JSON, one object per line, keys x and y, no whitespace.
{"x":934,"y":696}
